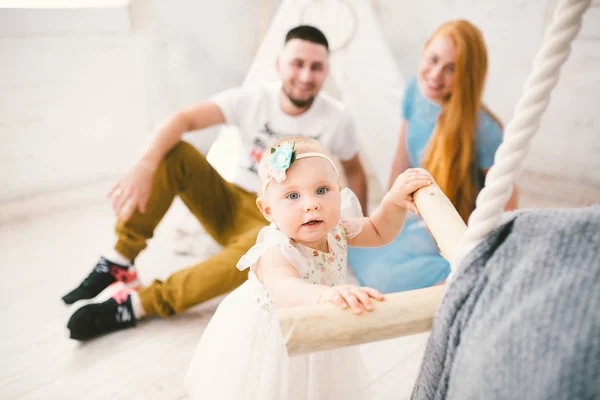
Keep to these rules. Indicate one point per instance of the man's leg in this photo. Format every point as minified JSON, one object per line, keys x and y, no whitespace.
{"x":179,"y":292}
{"x":227,"y":212}
{"x":201,"y":282}
{"x":186,"y":172}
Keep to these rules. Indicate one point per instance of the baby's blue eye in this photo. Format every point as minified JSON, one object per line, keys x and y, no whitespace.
{"x":293,"y":196}
{"x":322,"y":190}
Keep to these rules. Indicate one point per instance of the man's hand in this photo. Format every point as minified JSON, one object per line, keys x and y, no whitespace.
{"x":132,"y":191}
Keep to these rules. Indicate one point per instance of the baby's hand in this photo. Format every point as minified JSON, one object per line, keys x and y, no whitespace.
{"x":401,"y":193}
{"x":349,"y":295}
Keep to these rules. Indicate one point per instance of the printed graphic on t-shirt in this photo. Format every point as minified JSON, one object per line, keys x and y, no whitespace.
{"x":265,"y":136}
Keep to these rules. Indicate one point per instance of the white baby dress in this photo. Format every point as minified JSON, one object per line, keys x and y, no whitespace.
{"x":241,"y":354}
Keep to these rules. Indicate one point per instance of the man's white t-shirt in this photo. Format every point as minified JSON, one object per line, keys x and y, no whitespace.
{"x":258,"y":115}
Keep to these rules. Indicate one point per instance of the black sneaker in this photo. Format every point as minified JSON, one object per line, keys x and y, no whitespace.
{"x":103,"y":274}
{"x":112,"y":315}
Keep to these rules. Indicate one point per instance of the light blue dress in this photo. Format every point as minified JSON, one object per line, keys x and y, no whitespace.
{"x":412,"y":260}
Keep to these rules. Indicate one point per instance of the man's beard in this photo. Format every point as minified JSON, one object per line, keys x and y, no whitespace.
{"x":297,"y":102}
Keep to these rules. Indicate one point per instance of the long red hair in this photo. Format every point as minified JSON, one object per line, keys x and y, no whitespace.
{"x":451,"y":155}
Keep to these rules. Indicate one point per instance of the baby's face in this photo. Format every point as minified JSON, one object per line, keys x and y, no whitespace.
{"x":306,"y":205}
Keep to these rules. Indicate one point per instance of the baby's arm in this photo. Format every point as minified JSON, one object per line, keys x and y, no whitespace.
{"x":287,"y":289}
{"x":387,"y":221}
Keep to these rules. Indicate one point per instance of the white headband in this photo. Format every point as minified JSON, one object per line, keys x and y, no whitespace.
{"x":279,"y":175}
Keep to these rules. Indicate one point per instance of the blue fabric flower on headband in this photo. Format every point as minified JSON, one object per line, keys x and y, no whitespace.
{"x":281,"y":159}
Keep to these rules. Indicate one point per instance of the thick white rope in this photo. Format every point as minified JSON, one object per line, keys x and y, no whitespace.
{"x":502,"y":177}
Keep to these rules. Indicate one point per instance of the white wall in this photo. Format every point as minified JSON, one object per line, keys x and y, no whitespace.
{"x":79,"y":99}
{"x":77,"y":104}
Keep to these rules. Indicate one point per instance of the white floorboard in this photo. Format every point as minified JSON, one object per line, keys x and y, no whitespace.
{"x":45,"y":255}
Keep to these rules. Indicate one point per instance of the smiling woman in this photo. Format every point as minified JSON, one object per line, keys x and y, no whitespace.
{"x":437,"y":69}
{"x":447,"y":130}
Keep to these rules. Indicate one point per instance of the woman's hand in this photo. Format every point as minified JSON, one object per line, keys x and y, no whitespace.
{"x":357,"y":298}
{"x":401,"y":192}
{"x":132,"y":191}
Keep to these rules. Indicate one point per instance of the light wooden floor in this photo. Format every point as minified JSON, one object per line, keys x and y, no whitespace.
{"x":46,"y":253}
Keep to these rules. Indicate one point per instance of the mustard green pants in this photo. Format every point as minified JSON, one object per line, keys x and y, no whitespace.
{"x":227,"y":212}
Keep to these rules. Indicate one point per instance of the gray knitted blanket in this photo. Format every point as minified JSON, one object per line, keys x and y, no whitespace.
{"x":521,"y":319}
